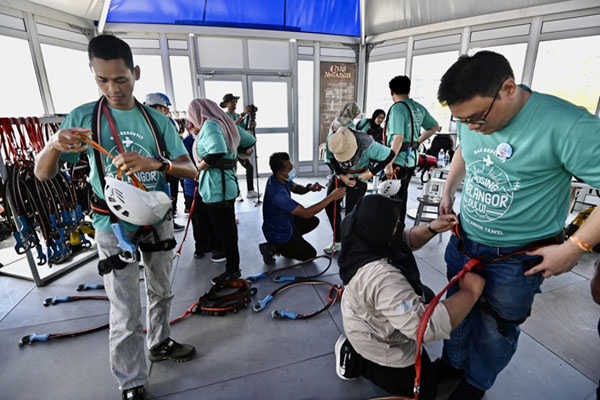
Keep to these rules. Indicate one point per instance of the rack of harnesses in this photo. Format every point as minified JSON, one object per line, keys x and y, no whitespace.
{"x":53,"y":209}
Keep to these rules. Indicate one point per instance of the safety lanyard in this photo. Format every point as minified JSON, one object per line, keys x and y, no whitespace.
{"x":474,"y":262}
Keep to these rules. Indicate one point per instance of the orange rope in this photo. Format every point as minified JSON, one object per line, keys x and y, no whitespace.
{"x":89,"y":141}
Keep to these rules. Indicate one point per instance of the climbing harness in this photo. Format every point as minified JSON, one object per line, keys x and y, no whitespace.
{"x":473,"y":263}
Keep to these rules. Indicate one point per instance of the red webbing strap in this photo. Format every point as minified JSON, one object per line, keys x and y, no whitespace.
{"x":472,"y":263}
{"x":191,"y":212}
{"x":8,"y":142}
{"x":113,"y":126}
{"x":22,"y":146}
{"x":32,"y":133}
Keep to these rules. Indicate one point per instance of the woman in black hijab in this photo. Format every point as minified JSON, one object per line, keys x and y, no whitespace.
{"x":383,"y":298}
{"x":372,"y":126}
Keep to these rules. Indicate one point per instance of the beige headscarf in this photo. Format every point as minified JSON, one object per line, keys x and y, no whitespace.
{"x":202,"y":110}
{"x":346,"y":115}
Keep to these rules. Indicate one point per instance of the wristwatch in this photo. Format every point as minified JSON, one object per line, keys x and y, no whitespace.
{"x":164,"y":163}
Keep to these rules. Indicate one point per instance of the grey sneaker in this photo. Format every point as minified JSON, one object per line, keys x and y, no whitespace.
{"x":252,"y":194}
{"x":171,"y":350}
{"x":333,"y":247}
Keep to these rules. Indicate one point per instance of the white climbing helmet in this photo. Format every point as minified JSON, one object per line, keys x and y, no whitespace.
{"x":390,"y":188}
{"x":134,"y":205}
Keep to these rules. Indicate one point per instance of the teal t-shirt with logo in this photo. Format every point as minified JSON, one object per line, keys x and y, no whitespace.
{"x":517,"y":181}
{"x":136,"y":136}
{"x":399,"y":124}
{"x":211,"y":141}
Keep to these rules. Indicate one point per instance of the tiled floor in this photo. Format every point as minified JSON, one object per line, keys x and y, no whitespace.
{"x":249,"y":355}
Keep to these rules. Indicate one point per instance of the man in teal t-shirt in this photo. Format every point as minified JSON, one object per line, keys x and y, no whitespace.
{"x":518,"y":152}
{"x":230,"y":102}
{"x":112,"y":63}
{"x":403,"y":138}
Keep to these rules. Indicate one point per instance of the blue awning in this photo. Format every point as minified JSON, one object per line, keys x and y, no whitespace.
{"x":337,"y":17}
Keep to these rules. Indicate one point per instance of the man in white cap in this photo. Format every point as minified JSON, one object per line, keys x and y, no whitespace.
{"x":354,"y":158}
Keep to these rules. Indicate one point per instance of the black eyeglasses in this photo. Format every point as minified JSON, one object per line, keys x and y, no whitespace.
{"x":483,"y":120}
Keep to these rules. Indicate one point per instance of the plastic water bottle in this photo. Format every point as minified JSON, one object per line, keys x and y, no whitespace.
{"x":447,"y":158}
{"x":441,"y":158}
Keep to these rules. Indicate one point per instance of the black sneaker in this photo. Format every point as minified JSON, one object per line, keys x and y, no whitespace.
{"x":177,"y":227}
{"x":136,"y":393}
{"x":443,"y":371}
{"x":198,"y":254}
{"x":171,"y":350}
{"x":268,"y":251}
{"x":466,"y":391}
{"x":226,"y":276}
{"x":344,"y":354}
{"x":218,"y":256}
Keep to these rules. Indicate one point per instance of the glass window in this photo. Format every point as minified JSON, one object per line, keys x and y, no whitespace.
{"x":272,"y":102}
{"x":267,"y":144}
{"x":151,"y":76}
{"x":211,"y":54}
{"x":568,"y":68}
{"x":379,"y":75}
{"x":306,"y":102}
{"x":427,"y":71}
{"x":18,"y":77}
{"x":268,"y":54}
{"x":514,"y":53}
{"x":215,"y":90}
{"x":65,"y":77}
{"x":182,"y":82}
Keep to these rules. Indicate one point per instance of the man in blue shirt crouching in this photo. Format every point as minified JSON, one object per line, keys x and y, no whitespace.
{"x":284,"y":220}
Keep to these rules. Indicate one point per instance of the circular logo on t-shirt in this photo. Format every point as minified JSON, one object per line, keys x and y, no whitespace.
{"x":487,"y":193}
{"x":148,"y":178}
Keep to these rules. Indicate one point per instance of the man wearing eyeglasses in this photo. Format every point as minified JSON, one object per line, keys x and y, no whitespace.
{"x":518,"y":151}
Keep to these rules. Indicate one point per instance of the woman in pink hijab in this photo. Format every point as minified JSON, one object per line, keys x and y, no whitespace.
{"x":215,"y":152}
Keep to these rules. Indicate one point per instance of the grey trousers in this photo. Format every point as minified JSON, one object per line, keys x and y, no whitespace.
{"x":126,"y":339}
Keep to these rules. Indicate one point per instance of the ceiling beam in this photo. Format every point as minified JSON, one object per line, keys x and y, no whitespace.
{"x":103,"y":16}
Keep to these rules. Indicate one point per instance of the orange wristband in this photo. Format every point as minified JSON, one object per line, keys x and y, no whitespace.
{"x":580,"y":243}
{"x":170,"y":167}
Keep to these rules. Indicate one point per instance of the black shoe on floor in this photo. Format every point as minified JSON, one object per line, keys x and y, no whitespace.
{"x":344,"y":354}
{"x":171,"y":350}
{"x":177,"y":227}
{"x":466,"y":391}
{"x":198,"y":254}
{"x":226,"y":276}
{"x":218,"y":256}
{"x":268,"y":251}
{"x":443,"y":371}
{"x":136,"y":393}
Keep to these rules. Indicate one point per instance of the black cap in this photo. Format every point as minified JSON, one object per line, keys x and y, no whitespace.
{"x":227,"y":98}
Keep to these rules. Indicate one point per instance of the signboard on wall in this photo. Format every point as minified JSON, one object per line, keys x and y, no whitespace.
{"x":337,"y":88}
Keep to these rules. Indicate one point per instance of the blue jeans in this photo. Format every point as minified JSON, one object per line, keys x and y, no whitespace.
{"x":476,"y":345}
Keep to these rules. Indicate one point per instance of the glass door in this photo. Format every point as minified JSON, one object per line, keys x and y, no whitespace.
{"x":271,"y":95}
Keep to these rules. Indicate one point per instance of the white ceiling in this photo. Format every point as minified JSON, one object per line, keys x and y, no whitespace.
{"x":391,"y":15}
{"x":88,"y":9}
